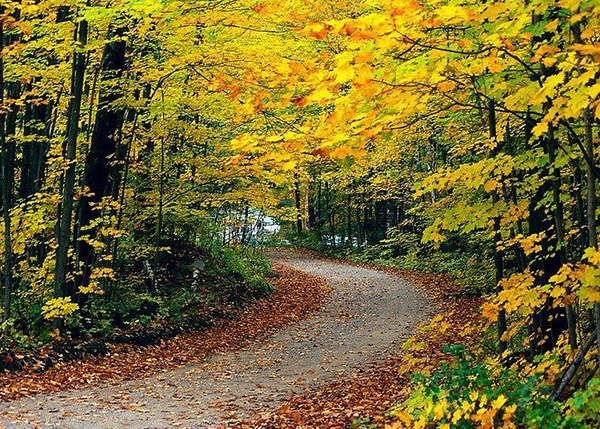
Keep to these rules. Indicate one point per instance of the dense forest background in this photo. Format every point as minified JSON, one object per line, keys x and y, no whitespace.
{"x":145,"y":142}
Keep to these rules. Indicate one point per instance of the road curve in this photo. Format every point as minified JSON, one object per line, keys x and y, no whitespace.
{"x":366,"y":318}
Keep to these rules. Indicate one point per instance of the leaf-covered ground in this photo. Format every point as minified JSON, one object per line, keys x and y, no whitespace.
{"x":341,"y":363}
{"x":296,"y":295}
{"x":364,"y":398}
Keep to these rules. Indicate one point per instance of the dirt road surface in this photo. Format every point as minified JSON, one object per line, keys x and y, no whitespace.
{"x":367,"y":317}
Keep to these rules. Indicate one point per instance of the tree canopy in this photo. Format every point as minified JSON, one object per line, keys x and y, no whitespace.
{"x":405,"y":126}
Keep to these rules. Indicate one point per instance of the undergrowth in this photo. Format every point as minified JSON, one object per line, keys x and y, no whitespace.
{"x":190,"y":281}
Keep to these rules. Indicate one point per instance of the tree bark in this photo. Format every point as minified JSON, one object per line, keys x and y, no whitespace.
{"x":349,"y":220}
{"x":66,"y":207}
{"x":498,"y":252}
{"x":103,"y":147}
{"x":6,"y":188}
{"x":591,"y":208}
{"x":298,"y":204}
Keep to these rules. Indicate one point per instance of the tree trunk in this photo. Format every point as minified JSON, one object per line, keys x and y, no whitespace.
{"x":103,"y":147}
{"x":245,"y":227}
{"x":498,"y":252}
{"x":320,"y":211}
{"x":549,"y":322}
{"x":552,"y":148}
{"x":6,"y":188}
{"x":66,"y":207}
{"x":160,"y":217}
{"x":591,"y":208}
{"x":349,"y":220}
{"x":298,"y":204}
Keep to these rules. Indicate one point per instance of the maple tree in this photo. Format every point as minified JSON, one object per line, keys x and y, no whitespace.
{"x":498,"y":102}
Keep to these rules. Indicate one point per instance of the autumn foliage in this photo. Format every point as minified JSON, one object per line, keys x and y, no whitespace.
{"x":394,"y":126}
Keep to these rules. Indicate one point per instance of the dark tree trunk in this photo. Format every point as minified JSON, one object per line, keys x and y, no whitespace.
{"x":498,"y":252}
{"x":6,"y":188}
{"x":552,"y":148}
{"x":330,"y":214}
{"x":549,"y":322}
{"x":66,"y":207}
{"x":359,"y":230}
{"x":33,"y":164}
{"x":298,"y":205}
{"x":349,"y":220}
{"x":320,"y":211}
{"x":103,"y":148}
{"x":245,"y":227}
{"x":160,"y":217}
{"x":312,"y":213}
{"x":591,"y":207}
{"x":8,"y":126}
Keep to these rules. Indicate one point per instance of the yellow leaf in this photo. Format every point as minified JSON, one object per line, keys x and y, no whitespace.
{"x":440,"y":409}
{"x":540,"y":128}
{"x":290,"y":165}
{"x":498,"y":402}
{"x":341,"y":152}
{"x":320,"y":95}
{"x":587,"y":49}
{"x":274,"y":139}
{"x":572,"y":5}
{"x":59,"y":308}
{"x":246,"y":109}
{"x":490,"y":311}
{"x":557,"y":292}
{"x":551,"y":26}
{"x":446,"y":86}
{"x":509,"y":412}
{"x":344,"y":74}
{"x":490,"y":185}
{"x":549,"y":61}
{"x":592,"y":255}
{"x":457,"y":415}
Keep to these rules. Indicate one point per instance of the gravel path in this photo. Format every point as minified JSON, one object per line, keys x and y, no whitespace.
{"x":366,"y":318}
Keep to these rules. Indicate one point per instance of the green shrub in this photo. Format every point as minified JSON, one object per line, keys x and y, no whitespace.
{"x":469,"y":393}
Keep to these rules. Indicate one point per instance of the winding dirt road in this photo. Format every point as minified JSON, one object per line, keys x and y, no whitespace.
{"x":366,"y":318}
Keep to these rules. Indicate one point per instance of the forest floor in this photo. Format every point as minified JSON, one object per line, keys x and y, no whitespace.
{"x":253,"y":377}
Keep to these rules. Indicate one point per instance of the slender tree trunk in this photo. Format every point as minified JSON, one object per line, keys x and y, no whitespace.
{"x":560,"y":234}
{"x":312,"y":211}
{"x":591,"y":208}
{"x":332,"y":228}
{"x":359,"y":231}
{"x":349,"y":220}
{"x":124,"y":184}
{"x":320,"y":211}
{"x":298,"y":204}
{"x":8,"y":126}
{"x":25,"y":188}
{"x":329,"y":214}
{"x":6,"y":189}
{"x":34,"y":152}
{"x":159,"y":220}
{"x":245,"y":226}
{"x":365,"y":220}
{"x":376,"y":205}
{"x":66,"y":207}
{"x":498,"y":252}
{"x":580,"y":213}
